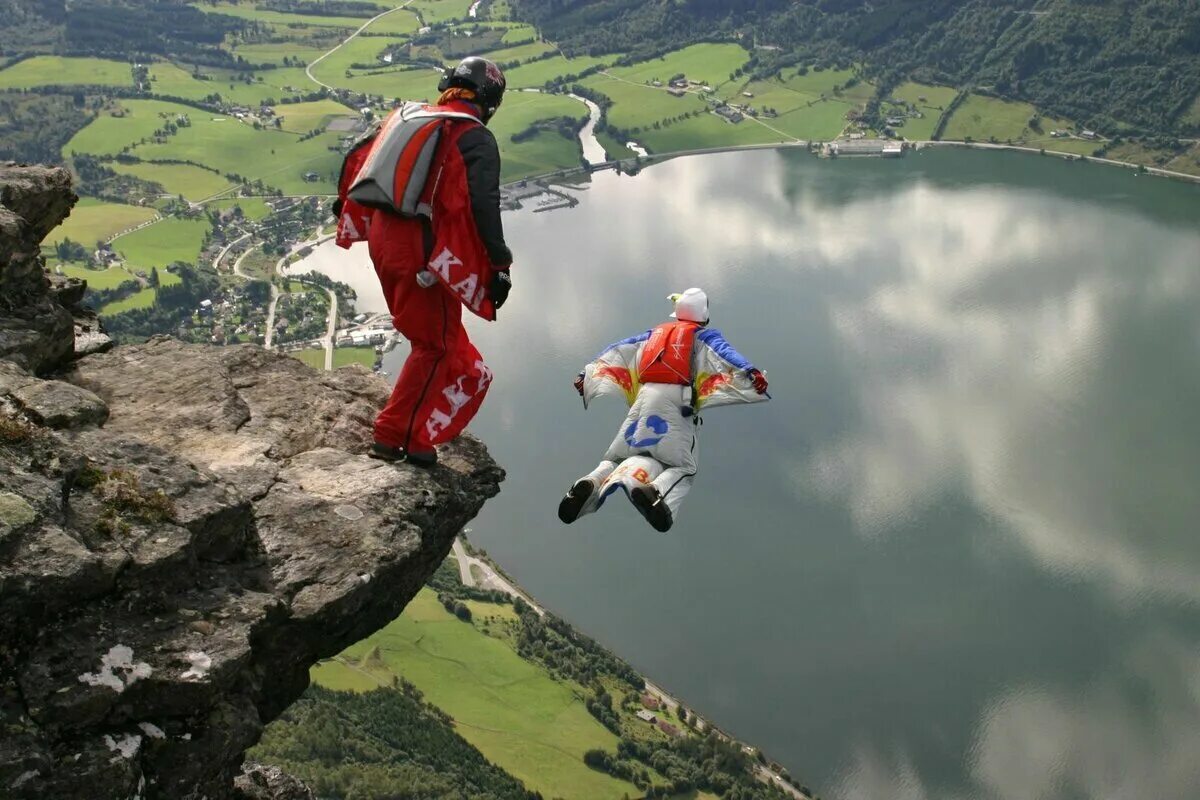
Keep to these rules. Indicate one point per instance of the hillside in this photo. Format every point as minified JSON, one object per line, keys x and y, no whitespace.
{"x":1121,"y":66}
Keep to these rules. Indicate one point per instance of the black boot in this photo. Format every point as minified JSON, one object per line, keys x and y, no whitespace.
{"x":425,"y":460}
{"x":650,"y":504}
{"x":385,"y":452}
{"x":574,"y":500}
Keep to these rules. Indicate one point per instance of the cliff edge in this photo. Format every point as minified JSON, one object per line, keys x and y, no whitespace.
{"x":184,"y":532}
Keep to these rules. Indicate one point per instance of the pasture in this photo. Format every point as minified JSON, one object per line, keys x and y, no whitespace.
{"x":163,"y":243}
{"x":66,"y":71}
{"x":512,"y":710}
{"x":94,"y":221}
{"x":190,"y":181}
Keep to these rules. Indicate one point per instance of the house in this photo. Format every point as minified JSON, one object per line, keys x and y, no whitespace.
{"x":747,"y":94}
{"x":675,"y":91}
{"x":731,"y":114}
{"x":311,"y":177}
{"x":646,"y":716}
{"x":206,"y":306}
{"x":656,"y":82}
{"x":1089,"y":134}
{"x":360,"y":319}
{"x":678,"y":83}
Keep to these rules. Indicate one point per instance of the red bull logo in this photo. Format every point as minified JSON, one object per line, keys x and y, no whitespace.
{"x":710,"y":383}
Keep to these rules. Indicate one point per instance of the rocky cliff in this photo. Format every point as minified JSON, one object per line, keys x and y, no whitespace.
{"x":184,"y":531}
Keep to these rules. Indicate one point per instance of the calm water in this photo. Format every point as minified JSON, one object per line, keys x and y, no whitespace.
{"x":958,"y":556}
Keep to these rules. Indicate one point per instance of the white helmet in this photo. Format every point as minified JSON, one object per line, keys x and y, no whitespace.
{"x":691,"y":306}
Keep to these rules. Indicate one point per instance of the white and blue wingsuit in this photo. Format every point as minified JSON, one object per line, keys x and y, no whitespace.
{"x":667,"y":375}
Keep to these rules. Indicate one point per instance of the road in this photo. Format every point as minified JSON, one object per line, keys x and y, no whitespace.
{"x":1166,"y":173}
{"x":331,"y":329}
{"x":492,"y":580}
{"x":225,"y":250}
{"x":367,"y":24}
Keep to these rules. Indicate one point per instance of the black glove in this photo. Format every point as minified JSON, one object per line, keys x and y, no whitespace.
{"x":337,"y":209}
{"x":499,"y":288}
{"x":579,"y":384}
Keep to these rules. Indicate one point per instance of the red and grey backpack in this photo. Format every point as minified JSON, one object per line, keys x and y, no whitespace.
{"x":389,"y":169}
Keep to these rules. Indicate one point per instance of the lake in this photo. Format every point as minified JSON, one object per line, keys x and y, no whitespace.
{"x":958,"y":555}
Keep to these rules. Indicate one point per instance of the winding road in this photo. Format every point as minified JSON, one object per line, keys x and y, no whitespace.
{"x":308,"y":69}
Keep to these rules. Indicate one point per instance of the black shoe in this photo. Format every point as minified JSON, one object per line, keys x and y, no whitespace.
{"x":650,"y":504}
{"x":574,"y":500}
{"x":385,"y":452}
{"x":424,"y":460}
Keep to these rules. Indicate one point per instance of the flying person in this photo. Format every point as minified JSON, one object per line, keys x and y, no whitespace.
{"x":666,"y":375}
{"x":437,"y":244}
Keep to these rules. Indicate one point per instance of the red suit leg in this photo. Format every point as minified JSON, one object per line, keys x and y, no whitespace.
{"x":444,"y":380}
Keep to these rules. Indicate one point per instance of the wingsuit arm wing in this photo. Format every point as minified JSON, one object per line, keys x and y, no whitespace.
{"x":722,"y":374}
{"x":614,"y":370}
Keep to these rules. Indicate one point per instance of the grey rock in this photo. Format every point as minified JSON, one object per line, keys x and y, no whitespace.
{"x":213,"y":548}
{"x":259,"y":782}
{"x":36,"y":330}
{"x":56,"y":404}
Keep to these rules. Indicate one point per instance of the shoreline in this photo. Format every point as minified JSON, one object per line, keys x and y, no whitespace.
{"x":920,"y":144}
{"x":495,"y":578}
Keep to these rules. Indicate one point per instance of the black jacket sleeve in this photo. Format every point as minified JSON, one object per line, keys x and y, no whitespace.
{"x":481,"y":155}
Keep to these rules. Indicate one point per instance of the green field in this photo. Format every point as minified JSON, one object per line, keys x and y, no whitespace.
{"x":304,"y":117}
{"x":520,"y":718}
{"x":253,"y":208}
{"x":192,"y":182}
{"x":163,"y":243}
{"x":398,"y":23}
{"x":170,"y":80}
{"x":706,"y":130}
{"x":94,"y":221}
{"x":60,"y":71}
{"x":275,"y":52}
{"x":435,"y":11}
{"x":522,"y":52}
{"x":545,"y":152}
{"x":315,"y":358}
{"x":282,"y":19}
{"x":345,"y":356}
{"x":141,"y":299}
{"x":983,"y":118}
{"x":98,"y":279}
{"x":707,"y":63}
{"x":538,"y":73}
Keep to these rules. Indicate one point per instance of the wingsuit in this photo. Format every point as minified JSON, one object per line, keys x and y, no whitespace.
{"x":667,"y":375}
{"x":430,"y":267}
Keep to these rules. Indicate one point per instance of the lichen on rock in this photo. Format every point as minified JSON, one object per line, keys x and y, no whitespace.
{"x":184,"y":532}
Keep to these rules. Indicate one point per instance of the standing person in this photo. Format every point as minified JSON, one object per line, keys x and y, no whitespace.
{"x":666,"y":375}
{"x":421,"y":263}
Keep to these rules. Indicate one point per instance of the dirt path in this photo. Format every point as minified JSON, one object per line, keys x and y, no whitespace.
{"x":308,"y":69}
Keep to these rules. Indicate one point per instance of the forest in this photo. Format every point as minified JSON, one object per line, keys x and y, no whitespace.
{"x":1120,"y":66}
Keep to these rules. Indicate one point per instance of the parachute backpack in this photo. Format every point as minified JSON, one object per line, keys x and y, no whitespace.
{"x":394,"y":176}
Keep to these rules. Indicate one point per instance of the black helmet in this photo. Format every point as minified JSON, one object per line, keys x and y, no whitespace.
{"x":480,"y":76}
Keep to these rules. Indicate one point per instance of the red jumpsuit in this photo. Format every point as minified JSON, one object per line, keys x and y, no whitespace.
{"x":444,"y":380}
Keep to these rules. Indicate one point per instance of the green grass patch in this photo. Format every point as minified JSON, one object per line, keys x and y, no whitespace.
{"x":613,"y":147}
{"x":435,"y":11}
{"x":538,"y":73}
{"x":708,"y":63}
{"x":304,"y":117}
{"x":522,"y":52}
{"x":66,"y":71}
{"x":192,"y":182}
{"x":126,"y":125}
{"x":170,"y":80}
{"x":398,"y":23}
{"x":357,"y":66}
{"x":638,"y":106}
{"x":276,"y":157}
{"x":519,"y":33}
{"x":94,"y":221}
{"x":98,"y":279}
{"x":283,"y":19}
{"x":141,"y":299}
{"x":518,"y":716}
{"x":548,"y":150}
{"x":316,"y":360}
{"x":345,"y":356}
{"x":275,"y":52}
{"x":253,"y":208}
{"x":983,"y":118}
{"x":706,"y":130}
{"x":163,"y":243}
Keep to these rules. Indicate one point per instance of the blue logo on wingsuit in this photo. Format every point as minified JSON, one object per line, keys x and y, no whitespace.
{"x":655,"y":428}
